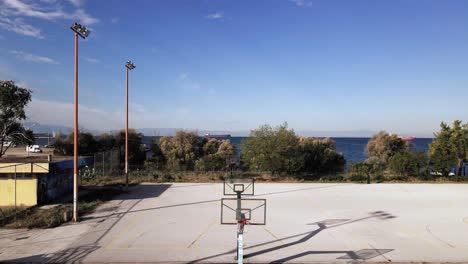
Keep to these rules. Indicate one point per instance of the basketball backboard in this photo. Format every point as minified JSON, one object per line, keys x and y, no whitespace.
{"x":252,"y":210}
{"x":234,"y":186}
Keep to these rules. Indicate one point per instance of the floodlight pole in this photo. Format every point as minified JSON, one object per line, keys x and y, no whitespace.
{"x":128,"y":66}
{"x":75,"y":138}
{"x":126,"y":128}
{"x":83,"y":32}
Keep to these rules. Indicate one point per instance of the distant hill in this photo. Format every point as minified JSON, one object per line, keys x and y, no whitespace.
{"x":43,"y":128}
{"x":147,"y":131}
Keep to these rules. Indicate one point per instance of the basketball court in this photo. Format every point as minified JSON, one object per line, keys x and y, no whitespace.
{"x":304,"y":223}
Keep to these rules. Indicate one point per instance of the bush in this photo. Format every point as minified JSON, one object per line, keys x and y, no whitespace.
{"x":212,"y":162}
{"x":332,"y":178}
{"x":359,"y":171}
{"x":408,"y":163}
{"x":320,"y":156}
{"x":400,"y":177}
{"x":357,"y":177}
{"x":272,"y":149}
{"x":378,"y":178}
{"x":383,"y":146}
{"x":280,"y":151}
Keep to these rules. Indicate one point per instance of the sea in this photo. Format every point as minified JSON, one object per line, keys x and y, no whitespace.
{"x":353,"y":149}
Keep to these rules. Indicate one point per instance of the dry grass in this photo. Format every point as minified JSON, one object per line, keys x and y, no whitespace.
{"x":36,"y":217}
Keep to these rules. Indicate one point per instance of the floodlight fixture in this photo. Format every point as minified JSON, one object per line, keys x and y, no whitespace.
{"x":80,"y":30}
{"x":130,"y":65}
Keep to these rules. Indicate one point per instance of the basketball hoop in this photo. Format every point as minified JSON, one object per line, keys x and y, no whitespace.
{"x":243,"y":221}
{"x":240,"y":211}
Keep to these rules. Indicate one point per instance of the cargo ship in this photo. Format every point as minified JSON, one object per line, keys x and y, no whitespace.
{"x":408,"y":138}
{"x":218,"y":136}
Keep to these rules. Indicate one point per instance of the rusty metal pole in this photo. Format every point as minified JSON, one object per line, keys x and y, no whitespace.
{"x":75,"y":139}
{"x":15,"y":190}
{"x":126,"y":130}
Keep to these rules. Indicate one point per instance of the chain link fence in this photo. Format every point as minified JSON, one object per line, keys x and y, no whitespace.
{"x":105,"y":163}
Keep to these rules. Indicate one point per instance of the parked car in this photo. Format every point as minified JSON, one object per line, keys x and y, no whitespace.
{"x":33,"y":149}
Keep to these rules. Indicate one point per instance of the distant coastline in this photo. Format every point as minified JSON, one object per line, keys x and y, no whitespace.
{"x":353,"y":148}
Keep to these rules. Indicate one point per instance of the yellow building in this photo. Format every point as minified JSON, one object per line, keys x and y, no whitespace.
{"x":33,"y":183}
{"x":18,"y":183}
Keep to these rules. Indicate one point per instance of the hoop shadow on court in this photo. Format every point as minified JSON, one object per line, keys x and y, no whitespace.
{"x":328,"y":224}
{"x":362,"y":254}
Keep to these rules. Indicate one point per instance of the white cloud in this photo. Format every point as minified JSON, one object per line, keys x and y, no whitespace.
{"x":82,"y":16}
{"x":76,"y":3}
{"x":91,"y":60}
{"x":114,"y":20}
{"x":13,"y":12}
{"x":33,"y":58}
{"x":137,"y":107}
{"x":217,"y":15}
{"x":302,"y":3}
{"x":61,"y":113}
{"x":16,"y":7}
{"x":18,"y":26}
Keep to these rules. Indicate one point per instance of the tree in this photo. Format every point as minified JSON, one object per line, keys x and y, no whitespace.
{"x":449,"y":147}
{"x":217,"y":155}
{"x":157,"y":157}
{"x":320,"y":156}
{"x":107,"y":142}
{"x":87,"y":144}
{"x":383,"y":146}
{"x":211,"y":162}
{"x":408,"y":163}
{"x":13,"y":100}
{"x":272,"y":149}
{"x":211,"y":146}
{"x":226,"y":150}
{"x":182,"y":150}
{"x":136,"y":151}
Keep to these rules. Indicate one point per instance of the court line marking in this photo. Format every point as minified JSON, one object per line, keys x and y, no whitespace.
{"x":125,"y":230}
{"x":438,"y":238}
{"x":203,"y":232}
{"x":273,"y":235}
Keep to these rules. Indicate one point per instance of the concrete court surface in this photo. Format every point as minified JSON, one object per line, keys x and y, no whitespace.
{"x":306,"y":223}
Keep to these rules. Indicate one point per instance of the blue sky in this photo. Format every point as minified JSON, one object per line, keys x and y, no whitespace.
{"x":320,"y":65}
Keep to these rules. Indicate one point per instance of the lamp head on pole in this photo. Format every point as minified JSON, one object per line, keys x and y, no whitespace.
{"x":130,"y":65}
{"x":81,"y":30}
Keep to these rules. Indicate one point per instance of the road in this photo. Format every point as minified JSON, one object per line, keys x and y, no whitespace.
{"x":306,"y":223}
